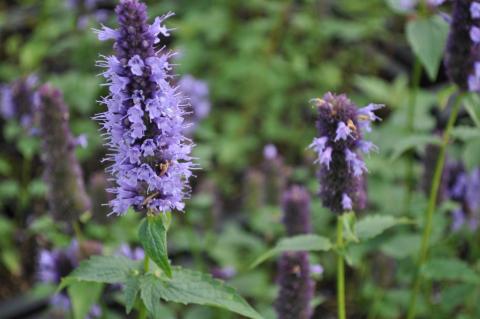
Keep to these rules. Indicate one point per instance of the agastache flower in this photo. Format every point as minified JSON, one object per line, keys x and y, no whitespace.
{"x":340,"y":127}
{"x":67,"y":197}
{"x":462,"y":58}
{"x":144,"y":118}
{"x":296,"y":286}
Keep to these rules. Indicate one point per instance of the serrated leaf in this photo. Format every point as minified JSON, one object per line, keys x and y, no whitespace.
{"x":413,"y":141}
{"x":153,"y":237}
{"x":427,"y":37}
{"x":373,"y":225}
{"x":297,"y":243}
{"x":102,"y":269}
{"x":83,"y":296}
{"x":449,"y":269}
{"x":191,"y":287}
{"x":130,"y":292}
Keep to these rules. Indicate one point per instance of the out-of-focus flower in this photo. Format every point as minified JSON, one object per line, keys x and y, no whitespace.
{"x":270,"y":152}
{"x":19,"y":101}
{"x":276,"y":174}
{"x":340,"y":140}
{"x":66,"y":191}
{"x":144,"y":118}
{"x":134,"y":253}
{"x":86,"y":10}
{"x":296,"y":286}
{"x":462,"y":57}
{"x":197,"y":93}
{"x":223,"y":273}
{"x":55,"y":264}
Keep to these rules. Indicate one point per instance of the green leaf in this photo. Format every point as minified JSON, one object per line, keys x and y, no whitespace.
{"x":83,"y":296}
{"x":465,"y":133}
{"x":449,"y":269}
{"x":132,"y":287}
{"x":373,"y":225}
{"x":297,"y":243}
{"x":348,"y":221}
{"x":427,"y":37}
{"x":413,"y":141}
{"x":471,"y":103}
{"x":187,"y":287}
{"x":102,"y":269}
{"x":153,"y":237}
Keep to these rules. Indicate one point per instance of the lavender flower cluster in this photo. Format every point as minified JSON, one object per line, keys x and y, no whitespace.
{"x":144,"y":121}
{"x":462,"y":58}
{"x":340,"y":127}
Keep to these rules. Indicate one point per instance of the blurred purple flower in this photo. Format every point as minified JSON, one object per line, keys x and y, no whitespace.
{"x":135,"y":253}
{"x":462,"y":57}
{"x":67,"y":197}
{"x":223,"y":273}
{"x":340,"y":126}
{"x":19,"y":101}
{"x":270,"y":152}
{"x":198,"y":94}
{"x":296,"y":286}
{"x":316,"y":269}
{"x":144,"y":118}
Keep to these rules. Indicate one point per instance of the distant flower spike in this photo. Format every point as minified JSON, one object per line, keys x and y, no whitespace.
{"x":144,"y":118}
{"x":462,"y":58}
{"x":340,"y":126}
{"x":296,"y":286}
{"x":67,"y":197}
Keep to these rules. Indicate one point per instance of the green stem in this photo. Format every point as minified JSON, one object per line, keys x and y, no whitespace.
{"x":432,"y":203}
{"x":142,"y":314}
{"x":409,"y":173}
{"x":340,"y":271}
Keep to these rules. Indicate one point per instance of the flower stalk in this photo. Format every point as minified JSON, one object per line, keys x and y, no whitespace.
{"x":432,"y":203}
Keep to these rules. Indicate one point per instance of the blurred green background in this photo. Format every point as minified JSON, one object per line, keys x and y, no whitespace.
{"x":263,"y":61}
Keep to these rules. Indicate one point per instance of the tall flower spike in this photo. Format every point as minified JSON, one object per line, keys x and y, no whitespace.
{"x":66,"y":191}
{"x":144,"y":124}
{"x":340,"y":127}
{"x":296,"y":286}
{"x":462,"y":58}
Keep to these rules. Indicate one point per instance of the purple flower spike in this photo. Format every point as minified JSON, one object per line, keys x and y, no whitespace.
{"x":144,"y":121}
{"x":463,"y":46}
{"x":296,"y":286}
{"x":340,"y":127}
{"x":67,"y":197}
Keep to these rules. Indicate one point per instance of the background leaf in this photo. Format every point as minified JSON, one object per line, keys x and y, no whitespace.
{"x":83,"y":296}
{"x":449,"y":269}
{"x":297,"y":243}
{"x":374,"y":225}
{"x":427,"y":37}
